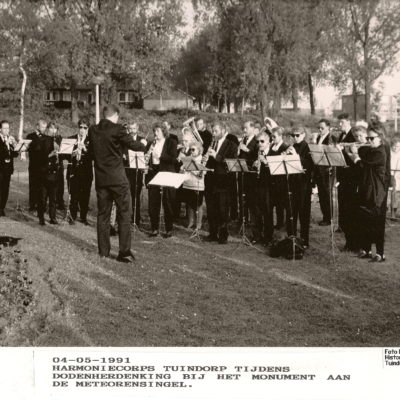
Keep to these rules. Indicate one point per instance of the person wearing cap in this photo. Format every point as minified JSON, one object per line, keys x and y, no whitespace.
{"x":80,"y":174}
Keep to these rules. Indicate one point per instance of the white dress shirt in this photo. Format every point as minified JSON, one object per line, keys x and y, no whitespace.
{"x":156,"y":154}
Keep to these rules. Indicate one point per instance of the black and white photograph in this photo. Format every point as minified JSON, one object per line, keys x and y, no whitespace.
{"x":184,"y":182}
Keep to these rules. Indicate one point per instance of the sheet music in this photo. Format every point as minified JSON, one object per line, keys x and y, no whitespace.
{"x":67,"y":146}
{"x":136,"y":159}
{"x":168,"y":179}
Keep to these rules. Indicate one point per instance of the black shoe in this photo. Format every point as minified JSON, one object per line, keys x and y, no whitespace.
{"x":61,"y":207}
{"x":338,"y":230}
{"x":154,"y":234}
{"x":42,"y":222}
{"x":85,"y":222}
{"x":53,"y":222}
{"x":378,"y":258}
{"x":71,"y":221}
{"x":324,"y":223}
{"x":2,"y":213}
{"x":113,"y":231}
{"x":211,"y":238}
{"x":222,"y":241}
{"x":130,"y":258}
{"x":168,"y":234}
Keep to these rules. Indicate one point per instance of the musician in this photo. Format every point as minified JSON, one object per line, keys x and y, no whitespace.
{"x":278,"y":183}
{"x":183,"y":152}
{"x":218,"y":182}
{"x":248,"y":150}
{"x":135,"y":176}
{"x":205,"y":134}
{"x":347,"y":189}
{"x":233,"y":190}
{"x":300,"y":185}
{"x":107,"y":140}
{"x":43,"y":151}
{"x":7,"y":155}
{"x":322,"y":176}
{"x":80,"y":174}
{"x":193,"y":187}
{"x":261,"y":212}
{"x":161,"y":155}
{"x":372,"y":193}
{"x":34,"y":166}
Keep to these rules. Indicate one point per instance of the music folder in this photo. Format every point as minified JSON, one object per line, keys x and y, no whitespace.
{"x":168,"y":179}
{"x":67,"y":146}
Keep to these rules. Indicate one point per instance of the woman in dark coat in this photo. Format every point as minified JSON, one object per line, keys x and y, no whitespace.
{"x":372,"y":193}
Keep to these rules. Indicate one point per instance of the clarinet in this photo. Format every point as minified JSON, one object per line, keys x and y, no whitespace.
{"x":206,"y":156}
{"x":148,"y":154}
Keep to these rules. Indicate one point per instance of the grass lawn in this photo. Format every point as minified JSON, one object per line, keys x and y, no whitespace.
{"x":55,"y":290}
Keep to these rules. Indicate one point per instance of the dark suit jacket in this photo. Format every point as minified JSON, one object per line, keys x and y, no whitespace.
{"x":220,"y":180}
{"x":5,"y":154}
{"x":233,"y":138}
{"x":347,"y":175}
{"x":33,"y":160}
{"x":45,"y":167}
{"x":206,"y":137}
{"x":106,"y":143}
{"x":125,"y":154}
{"x":251,"y":155}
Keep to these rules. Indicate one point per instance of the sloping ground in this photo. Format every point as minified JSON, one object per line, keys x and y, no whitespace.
{"x":187,"y":293}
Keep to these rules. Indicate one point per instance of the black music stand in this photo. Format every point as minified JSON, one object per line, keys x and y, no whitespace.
{"x":137,"y":162}
{"x":287,"y":164}
{"x":189,"y":165}
{"x":20,"y":147}
{"x":239,"y":166}
{"x":332,"y":157}
{"x":166,"y":179}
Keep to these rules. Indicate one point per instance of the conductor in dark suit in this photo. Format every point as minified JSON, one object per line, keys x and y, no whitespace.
{"x":106,"y":142}
{"x":7,"y":155}
{"x":34,"y":166}
{"x":218,"y":183}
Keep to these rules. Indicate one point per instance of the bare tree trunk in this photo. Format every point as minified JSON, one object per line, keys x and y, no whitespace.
{"x":22,"y":100}
{"x":295,"y":95}
{"x":355,"y":100}
{"x":311,"y":91}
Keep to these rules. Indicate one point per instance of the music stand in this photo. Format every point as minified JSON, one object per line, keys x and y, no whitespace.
{"x":287,"y":164}
{"x":239,"y":166}
{"x":189,"y":165}
{"x":137,"y":162}
{"x":67,"y":217}
{"x":329,"y":156}
{"x":166,"y":180}
{"x":20,"y":147}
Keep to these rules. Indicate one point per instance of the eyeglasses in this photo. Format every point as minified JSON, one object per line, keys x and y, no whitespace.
{"x":83,"y":127}
{"x":274,"y":137}
{"x":296,"y":135}
{"x":193,"y":149}
{"x":371,"y":137}
{"x":260,"y":141}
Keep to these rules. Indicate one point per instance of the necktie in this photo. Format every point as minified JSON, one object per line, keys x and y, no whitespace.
{"x":245,"y":141}
{"x":215,"y":145}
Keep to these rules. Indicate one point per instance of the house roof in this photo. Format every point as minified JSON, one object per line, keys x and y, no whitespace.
{"x":176,"y":94}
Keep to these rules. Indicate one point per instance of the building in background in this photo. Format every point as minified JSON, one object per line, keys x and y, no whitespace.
{"x":168,"y":100}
